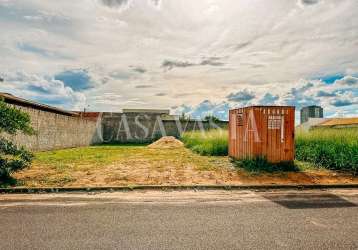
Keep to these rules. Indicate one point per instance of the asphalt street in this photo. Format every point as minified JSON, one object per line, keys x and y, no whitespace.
{"x":181,"y":220}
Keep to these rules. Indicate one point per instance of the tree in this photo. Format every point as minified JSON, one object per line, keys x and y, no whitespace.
{"x":212,"y":118}
{"x":183,"y":117}
{"x":13,"y":157}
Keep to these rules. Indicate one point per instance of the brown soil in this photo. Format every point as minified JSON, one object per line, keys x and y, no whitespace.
{"x":162,"y":166}
{"x":306,"y":177}
{"x":167,"y":142}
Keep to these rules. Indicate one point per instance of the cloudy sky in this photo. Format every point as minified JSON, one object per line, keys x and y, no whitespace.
{"x":199,"y":57}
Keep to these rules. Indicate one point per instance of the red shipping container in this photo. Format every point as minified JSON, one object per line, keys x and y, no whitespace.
{"x":262,"y":131}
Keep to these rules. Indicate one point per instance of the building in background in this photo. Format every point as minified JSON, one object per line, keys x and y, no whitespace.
{"x":340,"y":122}
{"x":311,"y":112}
{"x":346,"y":122}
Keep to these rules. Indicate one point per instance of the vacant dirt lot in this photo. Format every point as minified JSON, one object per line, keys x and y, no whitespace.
{"x":131,"y":165}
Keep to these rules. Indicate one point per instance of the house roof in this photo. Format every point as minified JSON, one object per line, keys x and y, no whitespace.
{"x":312,"y":106}
{"x":340,"y":122}
{"x":11,"y":99}
{"x":154,"y":111}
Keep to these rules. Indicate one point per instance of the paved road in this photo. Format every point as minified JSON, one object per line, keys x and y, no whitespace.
{"x":181,"y":220}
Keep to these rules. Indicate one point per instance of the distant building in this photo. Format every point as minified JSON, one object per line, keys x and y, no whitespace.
{"x":311,"y":112}
{"x":163,"y":113}
{"x":351,"y":122}
{"x":341,"y":122}
{"x":151,"y":111}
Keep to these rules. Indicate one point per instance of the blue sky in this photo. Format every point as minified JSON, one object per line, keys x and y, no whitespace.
{"x":198,"y":57}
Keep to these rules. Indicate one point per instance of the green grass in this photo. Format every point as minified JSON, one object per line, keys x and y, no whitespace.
{"x":213,"y":142}
{"x":95,"y":156}
{"x":130,"y":165}
{"x":260,"y":164}
{"x":335,"y":149}
{"x":114,"y":165}
{"x":329,"y":148}
{"x":100,"y":156}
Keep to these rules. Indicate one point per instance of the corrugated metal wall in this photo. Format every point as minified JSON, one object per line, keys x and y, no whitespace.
{"x":262,"y":131}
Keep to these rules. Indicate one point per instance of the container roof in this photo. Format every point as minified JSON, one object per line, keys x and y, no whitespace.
{"x":9,"y":98}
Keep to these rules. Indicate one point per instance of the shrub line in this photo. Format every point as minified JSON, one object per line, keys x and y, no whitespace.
{"x":21,"y":190}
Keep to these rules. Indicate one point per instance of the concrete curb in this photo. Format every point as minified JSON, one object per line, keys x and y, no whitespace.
{"x":20,"y":190}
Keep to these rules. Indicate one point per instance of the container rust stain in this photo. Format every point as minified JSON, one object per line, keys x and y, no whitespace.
{"x":266,"y":131}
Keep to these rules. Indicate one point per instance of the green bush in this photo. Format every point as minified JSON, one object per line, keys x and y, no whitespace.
{"x":12,"y":157}
{"x":329,"y":148}
{"x":259,"y":164}
{"x":212,"y":142}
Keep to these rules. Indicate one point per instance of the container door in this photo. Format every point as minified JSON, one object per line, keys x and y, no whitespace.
{"x":276,"y":134}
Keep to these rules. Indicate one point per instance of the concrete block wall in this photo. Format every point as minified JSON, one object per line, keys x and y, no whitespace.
{"x":146,"y":127}
{"x":56,"y":131}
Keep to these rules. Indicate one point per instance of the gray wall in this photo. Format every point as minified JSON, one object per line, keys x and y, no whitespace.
{"x":146,"y":127}
{"x":56,"y":131}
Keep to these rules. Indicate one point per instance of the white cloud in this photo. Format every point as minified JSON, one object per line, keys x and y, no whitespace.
{"x":121,"y":4}
{"x":156,"y":3}
{"x":305,"y":3}
{"x":43,"y":89}
{"x":335,"y":99}
{"x":215,"y":48}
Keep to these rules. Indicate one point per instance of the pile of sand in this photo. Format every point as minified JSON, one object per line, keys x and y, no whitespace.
{"x":167,"y":142}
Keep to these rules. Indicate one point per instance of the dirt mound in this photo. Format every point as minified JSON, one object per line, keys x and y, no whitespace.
{"x":167,"y":142}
